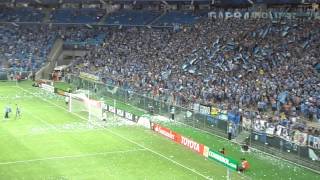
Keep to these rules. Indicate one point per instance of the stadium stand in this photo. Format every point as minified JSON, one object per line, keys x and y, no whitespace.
{"x":25,"y":48}
{"x":82,"y":1}
{"x":55,"y":1}
{"x":69,"y":15}
{"x":25,"y":1}
{"x":260,"y":58}
{"x":132,"y":17}
{"x":81,"y":37}
{"x":177,"y":17}
{"x":6,"y":1}
{"x":21,"y":15}
{"x":267,"y":70}
{"x":50,"y":2}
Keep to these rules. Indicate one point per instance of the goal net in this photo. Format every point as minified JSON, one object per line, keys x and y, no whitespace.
{"x":81,"y":104}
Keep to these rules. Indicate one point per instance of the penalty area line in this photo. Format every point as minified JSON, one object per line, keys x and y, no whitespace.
{"x":71,"y":156}
{"x":125,"y":138}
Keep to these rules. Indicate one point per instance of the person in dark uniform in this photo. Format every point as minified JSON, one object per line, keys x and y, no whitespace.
{"x":7,"y":111}
{"x":230,"y":129}
{"x":172,"y":112}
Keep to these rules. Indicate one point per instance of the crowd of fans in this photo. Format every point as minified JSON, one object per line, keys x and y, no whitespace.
{"x":25,"y":48}
{"x":20,"y":14}
{"x":72,"y":15}
{"x":264,"y":66}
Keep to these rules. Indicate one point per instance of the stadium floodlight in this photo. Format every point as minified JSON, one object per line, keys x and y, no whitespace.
{"x":80,"y":103}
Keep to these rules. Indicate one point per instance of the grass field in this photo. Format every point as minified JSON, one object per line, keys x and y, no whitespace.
{"x":48,"y":142}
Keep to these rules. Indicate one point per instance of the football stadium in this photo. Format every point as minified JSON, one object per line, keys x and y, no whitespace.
{"x":150,"y":89}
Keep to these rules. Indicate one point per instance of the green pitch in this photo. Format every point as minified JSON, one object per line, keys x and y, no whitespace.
{"x":48,"y":142}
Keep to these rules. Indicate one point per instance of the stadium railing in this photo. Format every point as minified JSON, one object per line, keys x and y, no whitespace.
{"x":6,"y":73}
{"x":154,"y":104}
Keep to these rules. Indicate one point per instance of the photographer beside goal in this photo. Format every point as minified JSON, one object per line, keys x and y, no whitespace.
{"x":67,"y":99}
{"x":104,"y":115}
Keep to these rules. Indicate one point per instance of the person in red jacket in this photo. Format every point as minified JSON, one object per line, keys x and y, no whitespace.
{"x":223,"y":151}
{"x":244,"y":166}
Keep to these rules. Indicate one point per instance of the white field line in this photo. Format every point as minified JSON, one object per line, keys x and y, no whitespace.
{"x":10,"y":86}
{"x":36,"y":117}
{"x":48,"y":106}
{"x":13,"y":98}
{"x":55,"y":129}
{"x":43,"y":121}
{"x":71,"y":156}
{"x":131,"y":141}
{"x":161,"y":155}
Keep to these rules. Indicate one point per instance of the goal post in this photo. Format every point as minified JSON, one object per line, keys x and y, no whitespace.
{"x":81,"y":104}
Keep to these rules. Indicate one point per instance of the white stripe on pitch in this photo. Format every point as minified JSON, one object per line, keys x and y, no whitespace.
{"x":71,"y":156}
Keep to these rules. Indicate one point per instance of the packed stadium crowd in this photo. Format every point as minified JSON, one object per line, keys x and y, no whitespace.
{"x":236,"y":64}
{"x":25,"y":48}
